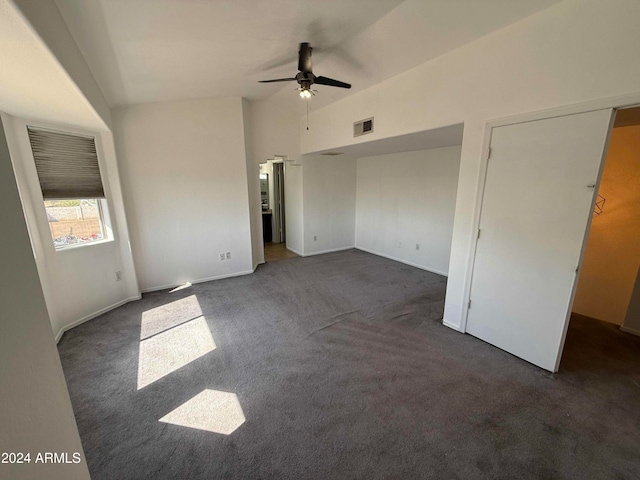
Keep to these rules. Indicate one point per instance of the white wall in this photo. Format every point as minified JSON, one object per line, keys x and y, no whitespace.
{"x":36,"y":414}
{"x":253,"y":185}
{"x":409,"y":198}
{"x":91,"y":288}
{"x":576,"y":51}
{"x":79,"y":283}
{"x":329,"y":203}
{"x":184,"y":176}
{"x":612,"y":256}
{"x":274,"y":131}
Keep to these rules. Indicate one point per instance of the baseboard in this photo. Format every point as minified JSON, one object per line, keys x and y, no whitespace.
{"x":295,"y":251}
{"x":200,"y":280}
{"x":453,"y":326}
{"x":395,"y":259}
{"x":632,"y":331}
{"x":341,"y":249}
{"x":255,"y":265}
{"x":146,"y":290}
{"x":94,"y":315}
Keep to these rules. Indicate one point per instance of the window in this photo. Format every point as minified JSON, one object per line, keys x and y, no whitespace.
{"x":74,"y":221}
{"x":69,"y":176}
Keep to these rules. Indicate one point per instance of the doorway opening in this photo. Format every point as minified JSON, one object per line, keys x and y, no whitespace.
{"x":607,"y":296}
{"x":272,"y":194}
{"x":539,"y":203}
{"x":537,"y":198}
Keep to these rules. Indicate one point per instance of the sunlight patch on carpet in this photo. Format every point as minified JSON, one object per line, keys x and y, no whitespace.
{"x":170,"y":350}
{"x":180,"y":287}
{"x":210,"y":410}
{"x":162,"y":318}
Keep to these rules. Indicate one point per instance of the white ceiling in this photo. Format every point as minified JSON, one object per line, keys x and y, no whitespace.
{"x":162,"y":50}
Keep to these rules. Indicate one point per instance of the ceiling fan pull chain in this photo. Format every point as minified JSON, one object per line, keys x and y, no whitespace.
{"x":308,"y":113}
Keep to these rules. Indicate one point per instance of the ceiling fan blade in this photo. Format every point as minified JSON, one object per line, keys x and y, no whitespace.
{"x":331,"y":82}
{"x":278,"y":80}
{"x":304,"y":59}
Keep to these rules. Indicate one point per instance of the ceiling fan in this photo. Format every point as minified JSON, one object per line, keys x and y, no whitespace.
{"x":305,"y":76}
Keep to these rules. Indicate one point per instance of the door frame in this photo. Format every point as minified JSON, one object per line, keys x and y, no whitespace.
{"x":557,"y":329}
{"x":614,"y":103}
{"x":279,"y":215}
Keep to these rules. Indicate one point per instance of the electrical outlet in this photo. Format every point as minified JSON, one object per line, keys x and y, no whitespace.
{"x":118,"y":276}
{"x":315,"y":238}
{"x":399,"y":244}
{"x":417,"y":246}
{"x":228,"y":255}
{"x":222,"y":256}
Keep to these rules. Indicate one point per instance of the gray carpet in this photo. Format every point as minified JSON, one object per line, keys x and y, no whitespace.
{"x":343,"y":370}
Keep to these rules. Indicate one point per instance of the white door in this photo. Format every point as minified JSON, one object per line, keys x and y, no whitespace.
{"x":538,"y":198}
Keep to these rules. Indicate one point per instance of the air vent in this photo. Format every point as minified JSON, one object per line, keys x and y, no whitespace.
{"x":363,"y":127}
{"x":332,"y":154}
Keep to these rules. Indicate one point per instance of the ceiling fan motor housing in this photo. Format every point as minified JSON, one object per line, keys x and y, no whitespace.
{"x":305,"y":79}
{"x":305,"y":76}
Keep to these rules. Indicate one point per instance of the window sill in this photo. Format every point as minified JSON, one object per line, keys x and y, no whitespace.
{"x":75,"y":246}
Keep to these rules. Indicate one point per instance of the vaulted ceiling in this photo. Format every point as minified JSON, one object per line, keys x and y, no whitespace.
{"x":163,"y":50}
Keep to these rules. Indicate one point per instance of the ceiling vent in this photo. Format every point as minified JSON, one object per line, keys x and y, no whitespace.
{"x":332,"y":154}
{"x":363,"y":127}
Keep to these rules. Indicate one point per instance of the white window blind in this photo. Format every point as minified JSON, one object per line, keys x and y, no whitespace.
{"x":67,"y":165}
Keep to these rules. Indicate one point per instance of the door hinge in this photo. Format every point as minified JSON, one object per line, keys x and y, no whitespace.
{"x":478,"y":234}
{"x":469,"y":304}
{"x":489,"y":153}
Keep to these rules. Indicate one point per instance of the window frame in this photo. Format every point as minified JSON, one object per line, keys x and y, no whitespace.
{"x":106,"y":218}
{"x":101,"y":204}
